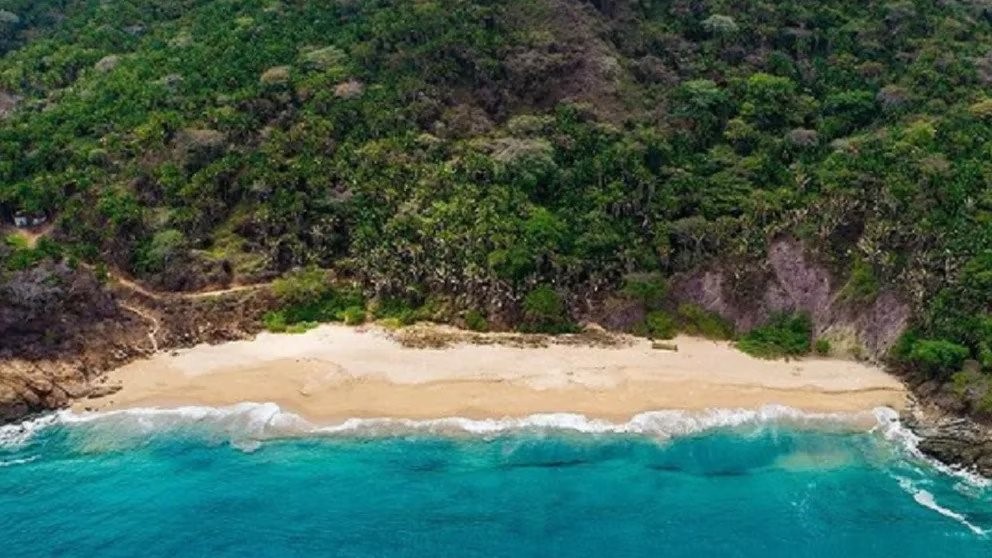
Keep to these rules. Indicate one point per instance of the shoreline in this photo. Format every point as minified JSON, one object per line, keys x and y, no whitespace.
{"x":334,"y":372}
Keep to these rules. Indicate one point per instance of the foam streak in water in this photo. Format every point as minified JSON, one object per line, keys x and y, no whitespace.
{"x":12,"y":462}
{"x":927,"y":500}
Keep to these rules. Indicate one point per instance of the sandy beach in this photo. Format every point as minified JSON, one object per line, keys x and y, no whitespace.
{"x":336,"y":372}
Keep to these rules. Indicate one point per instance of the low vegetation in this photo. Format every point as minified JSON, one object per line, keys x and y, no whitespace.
{"x":308,"y":297}
{"x":785,"y":335}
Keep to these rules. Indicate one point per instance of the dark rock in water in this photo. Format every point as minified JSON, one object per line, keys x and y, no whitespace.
{"x":954,"y":440}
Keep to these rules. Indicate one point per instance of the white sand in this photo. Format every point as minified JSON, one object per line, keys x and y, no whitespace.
{"x":336,"y":372}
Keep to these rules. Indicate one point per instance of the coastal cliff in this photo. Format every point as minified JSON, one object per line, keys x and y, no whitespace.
{"x":61,"y":330}
{"x":789,"y":280}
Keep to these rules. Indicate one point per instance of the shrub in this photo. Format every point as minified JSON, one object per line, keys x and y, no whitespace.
{"x":275,"y":322}
{"x":720,"y":25}
{"x":353,"y":315}
{"x":309,"y":298}
{"x":164,"y":247}
{"x":822,"y":347}
{"x":903,"y":346}
{"x":964,"y":381}
{"x":862,"y":287}
{"x":784,"y":335}
{"x":544,"y":312}
{"x":301,"y":327}
{"x":937,"y":357}
{"x":981,"y":109}
{"x":395,"y":309}
{"x":302,"y":286}
{"x":660,"y":325}
{"x":695,"y":320}
{"x":434,"y":309}
{"x":475,"y":321}
{"x":648,"y":288}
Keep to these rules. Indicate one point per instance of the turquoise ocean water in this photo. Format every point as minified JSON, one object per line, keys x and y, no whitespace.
{"x":252,"y":481}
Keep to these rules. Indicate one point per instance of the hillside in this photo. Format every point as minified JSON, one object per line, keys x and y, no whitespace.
{"x":514,"y":164}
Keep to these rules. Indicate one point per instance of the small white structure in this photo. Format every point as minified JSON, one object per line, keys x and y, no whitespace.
{"x":24,"y":220}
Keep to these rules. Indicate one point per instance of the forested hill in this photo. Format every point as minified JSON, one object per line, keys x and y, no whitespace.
{"x":510,"y":158}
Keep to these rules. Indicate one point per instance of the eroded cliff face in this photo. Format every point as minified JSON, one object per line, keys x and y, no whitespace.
{"x":58,"y":325}
{"x":790,"y":280}
{"x":61,"y":329}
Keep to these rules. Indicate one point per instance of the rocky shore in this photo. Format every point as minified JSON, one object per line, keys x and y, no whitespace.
{"x":62,"y":329}
{"x":952,"y":439}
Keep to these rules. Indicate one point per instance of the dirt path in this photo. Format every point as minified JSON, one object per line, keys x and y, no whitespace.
{"x":33,"y":235}
{"x":228,"y":290}
{"x":155,"y":326}
{"x":136,"y":287}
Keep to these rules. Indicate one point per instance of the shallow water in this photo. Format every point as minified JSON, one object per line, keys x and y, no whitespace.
{"x":251,"y":481}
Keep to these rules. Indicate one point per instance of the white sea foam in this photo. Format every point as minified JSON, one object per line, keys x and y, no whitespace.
{"x":15,"y":435}
{"x":260,"y":421}
{"x":245,"y":424}
{"x":894,"y":431}
{"x":927,"y":500}
{"x":12,"y":462}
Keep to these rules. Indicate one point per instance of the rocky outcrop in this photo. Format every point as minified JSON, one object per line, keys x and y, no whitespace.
{"x":61,"y":329}
{"x":951,"y":439}
{"x":42,"y":308}
{"x":792,"y":281}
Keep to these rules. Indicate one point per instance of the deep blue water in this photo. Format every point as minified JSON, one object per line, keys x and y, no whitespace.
{"x":129,"y":486}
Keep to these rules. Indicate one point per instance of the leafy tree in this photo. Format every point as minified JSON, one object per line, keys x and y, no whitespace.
{"x":771,"y":102}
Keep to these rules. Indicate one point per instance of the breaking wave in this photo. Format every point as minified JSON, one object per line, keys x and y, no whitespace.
{"x":263,"y":421}
{"x":247,"y":424}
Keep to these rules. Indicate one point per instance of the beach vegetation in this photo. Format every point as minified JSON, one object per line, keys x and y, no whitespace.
{"x":544,"y":312}
{"x":300,"y":327}
{"x":308,"y":297}
{"x":394,"y":308}
{"x":302,"y":286}
{"x":353,"y":315}
{"x":660,"y":325}
{"x":695,"y":320}
{"x":937,"y":357}
{"x":822,"y":347}
{"x":476,"y":321}
{"x":275,"y":322}
{"x":783,"y":336}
